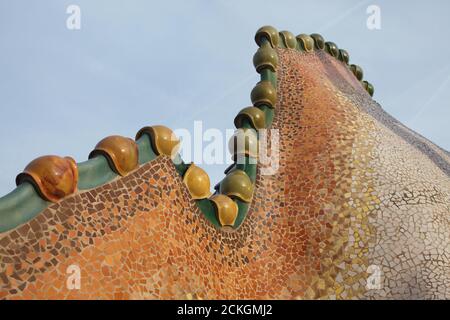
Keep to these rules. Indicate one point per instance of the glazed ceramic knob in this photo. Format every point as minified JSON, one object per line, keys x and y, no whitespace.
{"x":306,"y":42}
{"x":369,"y":88}
{"x":197,"y":182}
{"x":268,"y":32}
{"x":244,"y":142}
{"x":163,"y":140}
{"x":237,"y":184}
{"x":319,"y":42}
{"x":121,"y":152}
{"x":344,"y":56}
{"x":226,"y":209}
{"x":264,"y":93}
{"x":255,"y":116}
{"x":53,"y":177}
{"x":357,"y":71}
{"x":265,"y":58}
{"x":332,"y":49}
{"x":288,"y":39}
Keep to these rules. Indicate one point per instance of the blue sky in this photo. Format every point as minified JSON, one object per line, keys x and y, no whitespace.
{"x":137,"y":63}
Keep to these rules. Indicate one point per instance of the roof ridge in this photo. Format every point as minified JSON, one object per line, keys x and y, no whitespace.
{"x":49,"y":179}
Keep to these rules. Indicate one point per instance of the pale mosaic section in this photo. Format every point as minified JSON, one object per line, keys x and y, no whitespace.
{"x":361,"y":202}
{"x":412,"y":239}
{"x":399,"y":212}
{"x":392,"y":196}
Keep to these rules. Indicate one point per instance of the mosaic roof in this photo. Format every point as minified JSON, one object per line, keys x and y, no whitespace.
{"x":359,"y":207}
